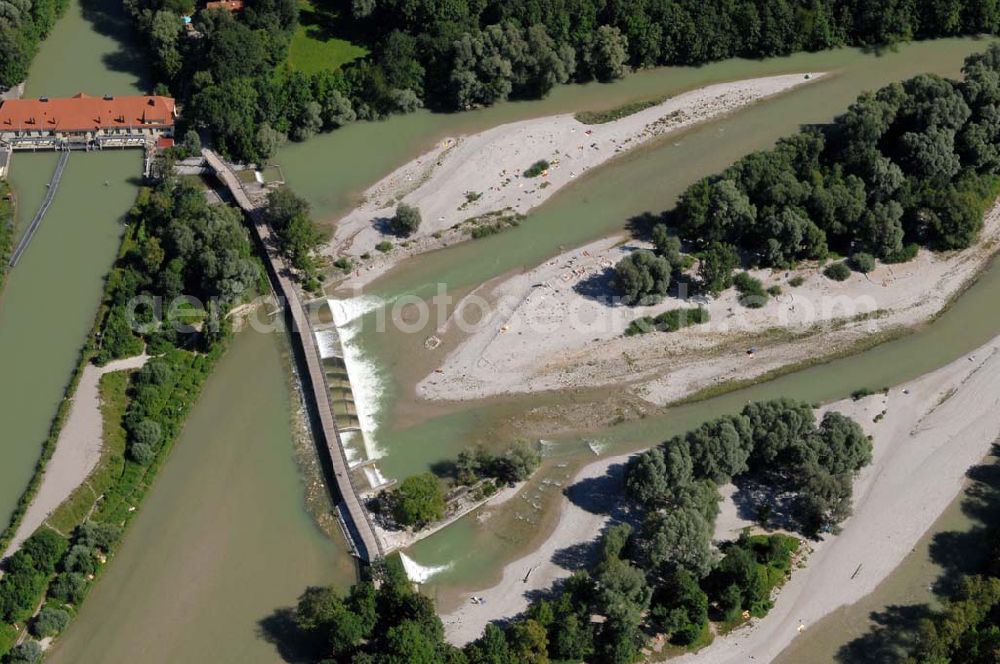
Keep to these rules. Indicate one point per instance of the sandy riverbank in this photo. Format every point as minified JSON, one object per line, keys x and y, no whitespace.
{"x":469,"y":176}
{"x":552,"y":328}
{"x":78,"y":449}
{"x":934,"y":429}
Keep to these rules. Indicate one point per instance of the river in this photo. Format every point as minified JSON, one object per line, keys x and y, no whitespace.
{"x":222,"y":540}
{"x":206,"y":559}
{"x":412,"y":441}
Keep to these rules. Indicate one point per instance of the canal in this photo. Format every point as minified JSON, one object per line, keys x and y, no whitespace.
{"x":48,"y":304}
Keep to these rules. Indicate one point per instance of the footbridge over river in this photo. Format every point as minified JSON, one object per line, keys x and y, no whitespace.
{"x":354,"y":515}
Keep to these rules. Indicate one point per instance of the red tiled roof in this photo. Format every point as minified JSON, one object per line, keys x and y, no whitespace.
{"x":84,"y":113}
{"x":228,"y":5}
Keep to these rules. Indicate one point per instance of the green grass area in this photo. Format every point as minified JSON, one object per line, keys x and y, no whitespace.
{"x":315,"y":45}
{"x":6,"y":227}
{"x":619,"y":112}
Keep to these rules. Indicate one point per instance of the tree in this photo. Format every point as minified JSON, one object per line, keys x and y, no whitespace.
{"x":777,"y":427}
{"x":406,"y":220}
{"x":516,"y":464}
{"x":642,"y":277}
{"x":147,"y":432}
{"x":720,"y":448}
{"x":841,"y":445}
{"x":80,"y":559}
{"x":609,"y":54}
{"x":45,"y":547}
{"x":678,"y":539}
{"x":69,"y":587}
{"x":667,"y":245}
{"x":98,"y":535}
{"x":824,"y":499}
{"x":680,"y":607}
{"x":716,"y":267}
{"x":491,"y":648}
{"x":528,"y":642}
{"x":646,"y":479}
{"x":29,"y":652}
{"x":49,"y":622}
{"x":321,"y":611}
{"x":418,"y":501}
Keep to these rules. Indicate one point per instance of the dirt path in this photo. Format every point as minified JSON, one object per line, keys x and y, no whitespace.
{"x":77,"y":451}
{"x":935,"y":428}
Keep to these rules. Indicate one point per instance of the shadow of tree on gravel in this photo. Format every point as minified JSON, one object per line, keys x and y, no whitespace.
{"x":958,"y":553}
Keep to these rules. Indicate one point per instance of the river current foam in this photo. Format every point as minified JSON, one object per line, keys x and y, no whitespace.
{"x":367,"y":383}
{"x":421,"y":573}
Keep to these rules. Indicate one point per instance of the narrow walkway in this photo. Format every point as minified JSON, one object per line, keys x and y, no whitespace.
{"x":78,"y":449}
{"x":358,"y":523}
{"x":46,"y":202}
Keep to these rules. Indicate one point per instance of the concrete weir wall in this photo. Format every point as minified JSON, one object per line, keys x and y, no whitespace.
{"x":354,"y":517}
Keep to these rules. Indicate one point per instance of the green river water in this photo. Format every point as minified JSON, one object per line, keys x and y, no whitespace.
{"x":49,"y":302}
{"x":223,"y":539}
{"x":596,"y":206}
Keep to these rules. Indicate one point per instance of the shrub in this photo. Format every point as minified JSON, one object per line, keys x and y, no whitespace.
{"x":69,"y":587}
{"x":774,"y":291}
{"x":384,"y":246}
{"x":796,"y":281}
{"x":642,"y":277}
{"x":537,"y":169}
{"x":640,"y":325}
{"x":28,"y":652}
{"x":407,"y":220}
{"x":675,"y":319}
{"x":50,"y":622}
{"x":80,"y":559}
{"x":862,"y":262}
{"x":752,"y":293}
{"x":906,"y":253}
{"x":838,"y":271}
{"x":142,"y":454}
{"x":344,"y":263}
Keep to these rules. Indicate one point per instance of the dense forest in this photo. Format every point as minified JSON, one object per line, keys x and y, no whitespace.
{"x":232,"y":70}
{"x":914,"y":164}
{"x":663,"y":576}
{"x":23,"y":25}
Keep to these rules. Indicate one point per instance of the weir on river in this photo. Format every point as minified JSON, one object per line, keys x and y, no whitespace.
{"x":50,"y":194}
{"x":354,"y":516}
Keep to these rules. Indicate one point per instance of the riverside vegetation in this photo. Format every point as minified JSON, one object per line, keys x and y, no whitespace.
{"x":914,"y":164}
{"x":664,"y":577}
{"x":23,"y":26}
{"x":235,"y":80}
{"x":176,"y":243}
{"x":6,"y":227}
{"x":421,"y":500}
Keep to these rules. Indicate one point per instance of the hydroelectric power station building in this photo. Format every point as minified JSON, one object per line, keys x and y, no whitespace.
{"x":85,"y":122}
